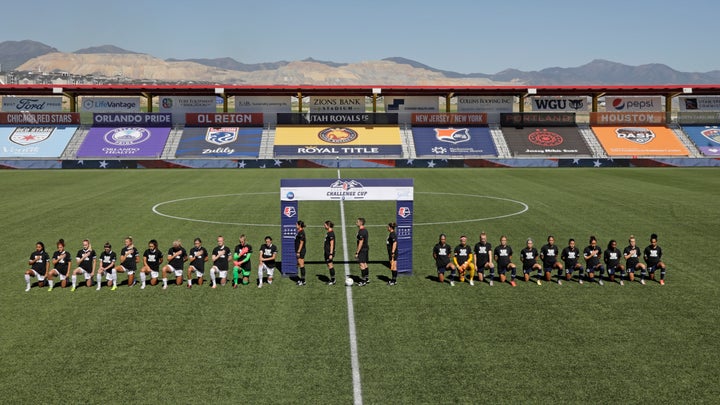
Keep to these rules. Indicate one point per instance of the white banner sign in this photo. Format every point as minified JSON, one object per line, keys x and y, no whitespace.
{"x":493,"y":106}
{"x":31,"y":104}
{"x":571,"y":104}
{"x":179,"y":105}
{"x":619,"y":103}
{"x":110,"y":104}
{"x":335,"y":104}
{"x":405,"y":106}
{"x":699,"y":103}
{"x":342,"y":189}
{"x":268,"y":105}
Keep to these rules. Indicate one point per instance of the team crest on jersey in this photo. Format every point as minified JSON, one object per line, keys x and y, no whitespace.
{"x":543,"y":137}
{"x":127,"y":136}
{"x":289,"y":212}
{"x":338,"y":135}
{"x":452,"y":135}
{"x":638,"y":135}
{"x":712,"y":133}
{"x":29,"y":135}
{"x":221,"y":136}
{"x":404,"y":212}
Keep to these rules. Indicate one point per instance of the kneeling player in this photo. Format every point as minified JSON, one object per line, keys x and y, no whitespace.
{"x":152,"y":257}
{"x":220,"y":256}
{"x":176,"y":256}
{"x":268,"y":254}
{"x":443,"y":259}
{"x":129,"y":258}
{"x":483,"y":257}
{"x":107,"y":264}
{"x":86,"y":264}
{"x":463,"y":259}
{"x":529,"y":256}
{"x":592,"y":255}
{"x":570,"y":255}
{"x":632,"y":260}
{"x":549,"y":254}
{"x":653,"y":256}
{"x":611,"y":257}
{"x":61,"y":264}
{"x":198,"y":257}
{"x":503,"y":257}
{"x":241,"y":260}
{"x":39,"y":265}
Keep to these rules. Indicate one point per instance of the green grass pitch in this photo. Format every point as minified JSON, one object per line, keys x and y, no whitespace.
{"x":418,"y":342}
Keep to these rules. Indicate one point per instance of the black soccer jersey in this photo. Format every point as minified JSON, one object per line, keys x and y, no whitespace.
{"x":222,"y":255}
{"x":41,"y":264}
{"x":329,"y":238}
{"x":238,"y":248}
{"x":61,"y":260}
{"x":267,"y":251}
{"x":593,"y":260}
{"x":611,"y":257}
{"x":153,"y":258}
{"x":129,"y":255}
{"x":570,"y":256}
{"x":503,"y":255}
{"x":652,"y":255}
{"x":549,"y":255}
{"x":107,"y":259}
{"x":391,"y":239}
{"x":197,"y":257}
{"x":300,"y":239}
{"x":362,"y":235}
{"x":633,"y":256}
{"x":529,"y":257}
{"x":87,"y":261}
{"x":442,"y":254}
{"x":482,"y":252}
{"x":177,"y":262}
{"x":462,"y":253}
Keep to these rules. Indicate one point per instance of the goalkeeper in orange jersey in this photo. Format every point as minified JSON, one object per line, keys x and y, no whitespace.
{"x":463,"y":259}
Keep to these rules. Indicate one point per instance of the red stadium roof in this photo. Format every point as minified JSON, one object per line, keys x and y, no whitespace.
{"x":366,"y":90}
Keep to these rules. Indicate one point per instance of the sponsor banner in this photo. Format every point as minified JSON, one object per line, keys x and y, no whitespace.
{"x":235,"y":119}
{"x":453,"y":141}
{"x":537,"y":119}
{"x":706,"y":138}
{"x":634,"y":103}
{"x":178,"y":106}
{"x":31,"y":104}
{"x":485,"y":103}
{"x":263,"y":104}
{"x":219,"y":142}
{"x":337,"y":119}
{"x":338,"y":141}
{"x":549,"y":103}
{"x":545,"y":141}
{"x":126,"y":119}
{"x":337,"y":104}
{"x":110,"y":104}
{"x":627,"y":118}
{"x":346,"y":189}
{"x":405,"y":106}
{"x":34,"y":141}
{"x":698,"y":118}
{"x":288,"y":230}
{"x":432,"y":119}
{"x":639,"y":141}
{"x":31,"y":118}
{"x":699,"y":103}
{"x":404,"y":233}
{"x":124,"y":142}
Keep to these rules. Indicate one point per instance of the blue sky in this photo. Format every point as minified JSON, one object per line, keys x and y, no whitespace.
{"x":463,"y":36}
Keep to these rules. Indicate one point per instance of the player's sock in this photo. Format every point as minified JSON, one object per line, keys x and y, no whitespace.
{"x":74,"y":281}
{"x":27,"y":280}
{"x":365,"y":274}
{"x":143,"y":277}
{"x":236,"y":270}
{"x":98,"y":279}
{"x":394,"y":275}
{"x":164,"y":280}
{"x":662,"y":274}
{"x":332,"y":273}
{"x":302,"y":273}
{"x":190,"y":281}
{"x":212,"y":277}
{"x":51,"y":283}
{"x":513,"y":274}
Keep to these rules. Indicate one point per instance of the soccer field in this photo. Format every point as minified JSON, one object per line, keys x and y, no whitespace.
{"x":417,"y":342}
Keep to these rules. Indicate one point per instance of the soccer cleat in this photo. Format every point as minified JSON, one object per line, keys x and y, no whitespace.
{"x":392,"y":282}
{"x":49,"y":289}
{"x":142,"y":287}
{"x":512,"y":283}
{"x":452,"y":283}
{"x":269,"y":281}
{"x":539,"y":282}
{"x":600,"y":281}
{"x":97,"y":288}
{"x":621,"y":282}
{"x":133,"y":283}
{"x":580,"y":281}
{"x":662,"y":282}
{"x":559,"y":282}
{"x":491,"y":283}
{"x":259,"y":285}
{"x":642,"y":281}
{"x":27,"y":288}
{"x":214,"y":286}
{"x":114,"y":287}
{"x":235,"y":285}
{"x":331,"y":282}
{"x":472,"y":282}
{"x":362,"y":283}
{"x":72,"y":289}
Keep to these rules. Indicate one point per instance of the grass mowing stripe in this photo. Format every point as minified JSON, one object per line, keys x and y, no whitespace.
{"x":354,"y":360}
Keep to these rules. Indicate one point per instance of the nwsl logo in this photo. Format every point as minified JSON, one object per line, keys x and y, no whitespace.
{"x":452,"y":135}
{"x":221,"y":136}
{"x":404,"y":212}
{"x":712,"y":134}
{"x":289,"y":212}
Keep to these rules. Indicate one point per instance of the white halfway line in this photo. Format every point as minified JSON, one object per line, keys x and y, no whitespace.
{"x":354,"y":361}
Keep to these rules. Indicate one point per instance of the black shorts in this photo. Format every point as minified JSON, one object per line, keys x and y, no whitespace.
{"x":392,"y":256}
{"x":329,"y":258}
{"x":363,"y":256}
{"x":301,"y":254}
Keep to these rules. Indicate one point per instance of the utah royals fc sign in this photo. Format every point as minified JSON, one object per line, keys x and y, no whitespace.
{"x":399,"y":190}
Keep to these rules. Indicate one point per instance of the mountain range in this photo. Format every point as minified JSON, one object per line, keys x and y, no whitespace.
{"x":112,"y":61}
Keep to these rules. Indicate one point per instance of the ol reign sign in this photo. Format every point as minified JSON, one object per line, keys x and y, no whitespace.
{"x":399,"y":190}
